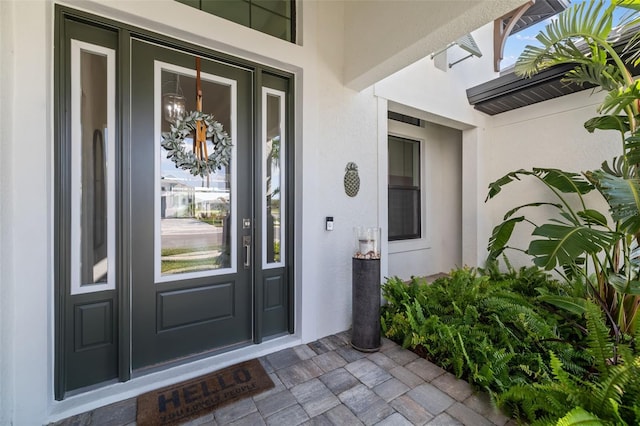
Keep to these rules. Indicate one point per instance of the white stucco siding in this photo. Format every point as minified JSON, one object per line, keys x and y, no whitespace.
{"x":549,"y":135}
{"x":442,"y":93}
{"x":343,"y":130}
{"x":383,"y":36}
{"x":26,"y":216}
{"x":6,"y":291}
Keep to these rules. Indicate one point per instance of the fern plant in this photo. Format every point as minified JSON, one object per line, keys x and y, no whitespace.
{"x":579,"y":242}
{"x":479,"y":328}
{"x":609,"y":395}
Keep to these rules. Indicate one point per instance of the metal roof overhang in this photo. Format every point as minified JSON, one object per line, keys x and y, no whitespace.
{"x":509,"y":91}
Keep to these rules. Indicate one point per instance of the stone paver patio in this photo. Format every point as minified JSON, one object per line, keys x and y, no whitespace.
{"x":327,"y":382}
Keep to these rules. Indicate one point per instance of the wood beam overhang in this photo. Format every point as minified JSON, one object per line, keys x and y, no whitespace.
{"x":501,"y":31}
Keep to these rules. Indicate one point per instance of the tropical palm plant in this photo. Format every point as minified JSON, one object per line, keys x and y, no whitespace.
{"x":582,"y":244}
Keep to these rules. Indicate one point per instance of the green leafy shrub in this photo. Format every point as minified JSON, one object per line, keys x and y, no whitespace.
{"x":609,"y":395}
{"x":480,"y":328}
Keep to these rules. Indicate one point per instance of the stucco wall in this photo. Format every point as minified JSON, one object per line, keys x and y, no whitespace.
{"x":6,"y":311}
{"x":383,"y":37}
{"x":551,"y":135}
{"x":442,"y":93}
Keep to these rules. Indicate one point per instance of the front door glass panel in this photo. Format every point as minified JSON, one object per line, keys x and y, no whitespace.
{"x":195,"y":232}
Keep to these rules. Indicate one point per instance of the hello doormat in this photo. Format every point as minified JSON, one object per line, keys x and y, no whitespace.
{"x":197,"y":397}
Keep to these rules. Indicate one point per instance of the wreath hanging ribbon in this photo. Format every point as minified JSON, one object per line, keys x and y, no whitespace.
{"x":203,"y":126}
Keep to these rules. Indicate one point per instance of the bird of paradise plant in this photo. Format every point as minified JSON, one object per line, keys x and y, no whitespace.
{"x":600,"y":251}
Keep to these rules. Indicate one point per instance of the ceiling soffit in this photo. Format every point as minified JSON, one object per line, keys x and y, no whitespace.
{"x":383,"y":37}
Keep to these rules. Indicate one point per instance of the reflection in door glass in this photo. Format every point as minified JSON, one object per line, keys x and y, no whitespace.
{"x":94,"y":179}
{"x":195,"y":211}
{"x":93,"y":169}
{"x":273,"y":176}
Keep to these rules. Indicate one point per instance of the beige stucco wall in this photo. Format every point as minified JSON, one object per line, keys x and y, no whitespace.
{"x":550,"y":135}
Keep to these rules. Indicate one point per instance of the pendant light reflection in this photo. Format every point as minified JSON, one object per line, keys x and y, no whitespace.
{"x":174,"y":103}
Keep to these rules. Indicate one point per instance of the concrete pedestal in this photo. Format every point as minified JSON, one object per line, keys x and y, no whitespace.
{"x":365,"y":332}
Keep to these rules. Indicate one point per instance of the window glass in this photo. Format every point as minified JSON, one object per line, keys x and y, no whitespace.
{"x":273,"y":178}
{"x":233,"y":10}
{"x":404,"y":189}
{"x":195,"y":212}
{"x":92,"y":174}
{"x":273,"y":17}
{"x":270,"y":23}
{"x":281,"y":7}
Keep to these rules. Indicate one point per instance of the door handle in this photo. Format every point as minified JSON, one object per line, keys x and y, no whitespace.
{"x":246,"y":243}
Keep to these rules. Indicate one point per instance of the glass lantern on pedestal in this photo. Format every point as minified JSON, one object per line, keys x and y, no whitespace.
{"x":365,"y":302}
{"x":367,"y":243}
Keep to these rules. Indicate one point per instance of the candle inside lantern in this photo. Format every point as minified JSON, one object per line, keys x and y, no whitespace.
{"x":367,"y":243}
{"x":366,"y":246}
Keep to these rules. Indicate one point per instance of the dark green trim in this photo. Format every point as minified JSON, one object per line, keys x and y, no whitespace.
{"x":61,"y":241}
{"x":123,"y":224}
{"x":291,"y":211}
{"x":258,"y":293}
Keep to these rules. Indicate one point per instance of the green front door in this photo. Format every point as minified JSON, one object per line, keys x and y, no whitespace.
{"x":153,"y":264}
{"x":192,"y":252}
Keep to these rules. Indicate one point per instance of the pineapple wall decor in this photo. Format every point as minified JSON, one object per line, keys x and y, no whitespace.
{"x":351,"y":179}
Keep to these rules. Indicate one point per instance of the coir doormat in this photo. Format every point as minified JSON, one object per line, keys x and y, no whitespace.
{"x":197,"y":397}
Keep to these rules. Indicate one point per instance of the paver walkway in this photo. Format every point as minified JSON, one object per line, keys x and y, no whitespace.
{"x":327,"y":382}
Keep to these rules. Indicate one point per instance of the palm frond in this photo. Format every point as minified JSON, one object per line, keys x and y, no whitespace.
{"x":496,"y":186}
{"x":592,"y":217}
{"x":510,"y":213}
{"x":620,"y":98}
{"x":605,"y":75}
{"x":623,"y":196}
{"x":632,"y":148}
{"x":608,"y":122}
{"x":567,"y":182}
{"x":575,"y":305}
{"x":563,"y":244}
{"x":617,"y":168}
{"x":591,"y":22}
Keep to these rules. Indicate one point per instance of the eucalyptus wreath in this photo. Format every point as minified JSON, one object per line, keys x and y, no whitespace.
{"x":185,"y":125}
